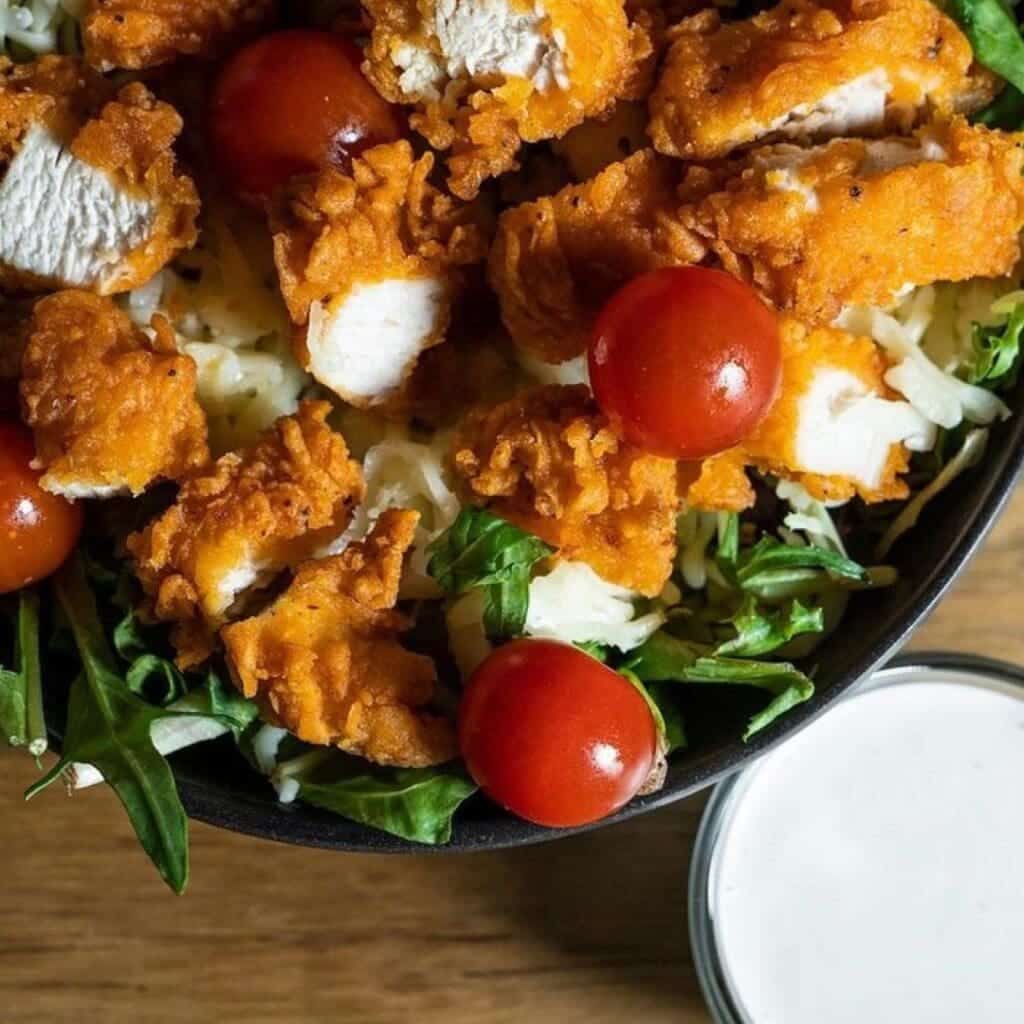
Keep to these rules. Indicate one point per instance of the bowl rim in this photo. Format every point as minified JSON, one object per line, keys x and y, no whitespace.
{"x":318,"y":829}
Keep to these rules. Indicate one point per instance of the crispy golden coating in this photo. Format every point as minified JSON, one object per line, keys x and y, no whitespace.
{"x":807,"y":69}
{"x":112,"y":411}
{"x":480,"y":101}
{"x":774,"y":448}
{"x":718,"y":483}
{"x":129,"y":139}
{"x":383,"y":225}
{"x":247,"y":517}
{"x":857,"y":222}
{"x":143,"y":33}
{"x":324,"y":659}
{"x":384,"y":220}
{"x":548,"y":461}
{"x":556,"y":261}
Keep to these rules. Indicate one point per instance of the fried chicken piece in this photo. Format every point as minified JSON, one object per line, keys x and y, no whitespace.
{"x":488,"y":75}
{"x":324,"y":659}
{"x":112,"y":411}
{"x":855,"y":222}
{"x":601,"y":141}
{"x":90,"y":194}
{"x":556,"y":261}
{"x":549,"y":462}
{"x":836,"y":427}
{"x":248,"y":516}
{"x":144,"y":33}
{"x":370,"y":264}
{"x":718,"y":483}
{"x":811,"y":70}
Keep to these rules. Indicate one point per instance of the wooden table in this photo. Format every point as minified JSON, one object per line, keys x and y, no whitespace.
{"x":589,"y":930}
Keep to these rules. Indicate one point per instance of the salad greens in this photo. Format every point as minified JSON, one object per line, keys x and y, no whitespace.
{"x":417,"y":804}
{"x":481,"y":550}
{"x":995,"y":357}
{"x":110,"y":728}
{"x":21,"y":691}
{"x":998,"y":44}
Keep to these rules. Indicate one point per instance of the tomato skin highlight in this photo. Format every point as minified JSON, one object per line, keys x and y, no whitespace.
{"x":38,"y":530}
{"x":553,"y":735}
{"x":685,"y":361}
{"x":294,"y":102}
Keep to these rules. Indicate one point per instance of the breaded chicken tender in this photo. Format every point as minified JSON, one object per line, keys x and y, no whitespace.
{"x":488,"y":75}
{"x":370,"y":264}
{"x":811,"y":70}
{"x":112,"y":411}
{"x":556,"y":261}
{"x":836,"y":427}
{"x":324,"y":659}
{"x":237,"y":524}
{"x":855,"y":222}
{"x":144,"y":33}
{"x":719,"y":483}
{"x":549,"y":462}
{"x":90,"y":193}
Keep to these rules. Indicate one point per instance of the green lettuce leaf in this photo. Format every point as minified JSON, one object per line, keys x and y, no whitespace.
{"x":21,"y":696}
{"x":761,"y":630}
{"x":481,"y":550}
{"x":995,"y":360}
{"x":417,"y":804}
{"x":109,"y":728}
{"x":994,"y":35}
{"x":665,"y":658}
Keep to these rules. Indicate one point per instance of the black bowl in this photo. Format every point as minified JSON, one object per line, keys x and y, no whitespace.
{"x":218,"y":788}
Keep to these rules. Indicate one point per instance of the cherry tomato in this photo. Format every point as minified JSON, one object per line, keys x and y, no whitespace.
{"x":37,"y":529}
{"x":553,"y":736}
{"x":685,"y":361}
{"x":292,"y":103}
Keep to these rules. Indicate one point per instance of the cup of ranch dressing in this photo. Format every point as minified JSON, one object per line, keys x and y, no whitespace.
{"x":871,"y":869}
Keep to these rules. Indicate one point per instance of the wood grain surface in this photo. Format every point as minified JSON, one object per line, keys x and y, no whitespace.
{"x":588,"y":930}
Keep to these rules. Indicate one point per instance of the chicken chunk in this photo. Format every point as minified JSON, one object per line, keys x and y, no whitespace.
{"x":324,"y":659}
{"x":250,"y":515}
{"x":144,"y":33}
{"x":556,"y":261}
{"x":370,"y":264}
{"x":719,"y":483}
{"x":808,"y":70}
{"x":855,"y":222}
{"x":488,"y":75}
{"x":548,"y":461}
{"x":90,"y":194}
{"x":112,"y":411}
{"x":836,"y":427}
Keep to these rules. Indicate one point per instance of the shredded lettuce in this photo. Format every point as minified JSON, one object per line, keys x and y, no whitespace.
{"x":480,"y":550}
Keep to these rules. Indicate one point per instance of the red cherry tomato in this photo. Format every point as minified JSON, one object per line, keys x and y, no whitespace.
{"x":292,"y":103}
{"x":685,"y":361}
{"x":37,"y":529}
{"x":552,"y":735}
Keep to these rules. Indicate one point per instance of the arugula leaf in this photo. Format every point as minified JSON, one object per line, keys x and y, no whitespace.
{"x":481,"y":550}
{"x":994,"y":35}
{"x":215,"y":699}
{"x":665,"y":658}
{"x":787,"y":684}
{"x":21,"y":694}
{"x":110,"y":728}
{"x":995,"y":360}
{"x":762,"y":630}
{"x":771,"y":567}
{"x":417,"y":804}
